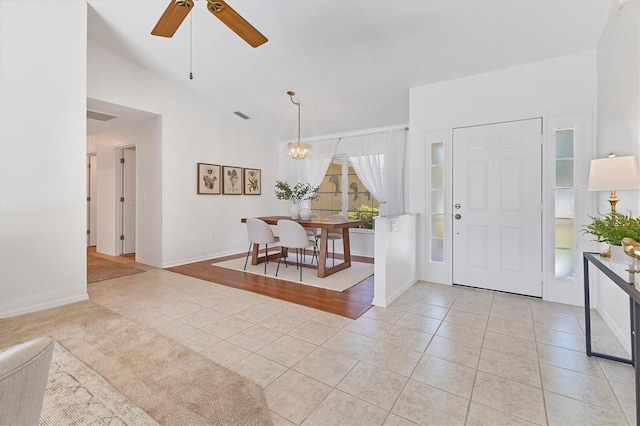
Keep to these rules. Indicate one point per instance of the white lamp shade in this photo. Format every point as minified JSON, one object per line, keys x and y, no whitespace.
{"x":614,"y":173}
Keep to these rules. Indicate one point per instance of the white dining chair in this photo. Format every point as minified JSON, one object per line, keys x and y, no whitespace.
{"x":335,"y":235}
{"x":259,"y":233}
{"x":314,"y":235}
{"x":293,"y":236}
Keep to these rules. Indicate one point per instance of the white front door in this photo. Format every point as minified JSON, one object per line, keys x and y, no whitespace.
{"x":129,"y":204}
{"x":497,"y":198}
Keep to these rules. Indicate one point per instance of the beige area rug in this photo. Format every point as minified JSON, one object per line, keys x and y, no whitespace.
{"x":340,"y":281}
{"x":99,"y":269}
{"x":173,"y":384}
{"x":77,"y":395}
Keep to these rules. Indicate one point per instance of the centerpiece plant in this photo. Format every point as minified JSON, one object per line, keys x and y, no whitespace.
{"x":296,"y":194}
{"x":612,"y":227}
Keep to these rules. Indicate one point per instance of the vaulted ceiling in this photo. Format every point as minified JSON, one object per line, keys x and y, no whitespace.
{"x":351,"y":62}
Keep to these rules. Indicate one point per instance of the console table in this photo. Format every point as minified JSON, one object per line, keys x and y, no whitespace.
{"x":625,"y":281}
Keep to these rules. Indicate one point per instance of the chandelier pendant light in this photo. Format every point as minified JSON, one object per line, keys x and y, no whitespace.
{"x":297,"y":150}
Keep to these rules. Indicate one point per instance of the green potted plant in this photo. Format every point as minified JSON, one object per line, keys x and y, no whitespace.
{"x":611,"y":228}
{"x":299,"y":192}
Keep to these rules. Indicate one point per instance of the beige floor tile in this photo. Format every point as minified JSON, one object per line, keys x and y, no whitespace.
{"x":475,"y":295}
{"x":198,"y":340}
{"x":314,"y":332}
{"x":510,"y":367}
{"x":340,"y":408}
{"x":258,"y":313}
{"x":326,"y":366}
{"x":174,"y":328}
{"x":559,"y":338}
{"x":392,"y":357}
{"x":226,"y":327}
{"x":395,"y":420}
{"x":410,"y":339}
{"x":510,"y":345}
{"x":373,"y":384}
{"x":427,"y":405}
{"x":454,"y":351}
{"x":511,"y":314}
{"x":179,"y":310}
{"x":350,"y":344}
{"x":369,"y":327}
{"x":284,"y":321}
{"x":259,"y":369}
{"x":287,"y":350}
{"x":518,"y":303}
{"x":254,"y":338}
{"x":579,"y":386}
{"x":559,"y":324}
{"x":471,"y":306}
{"x":419,"y":322}
{"x":569,"y":359}
{"x":233,"y":306}
{"x":278,"y":420}
{"x":444,"y":301}
{"x":567,"y":411}
{"x":154,"y":319}
{"x":390,"y":315}
{"x":427,"y":310}
{"x":445,"y":375}
{"x":333,"y":319}
{"x":461,"y":332}
{"x":225,"y":353}
{"x":618,"y":371}
{"x":523,"y":331}
{"x":467,"y":318}
{"x":626,"y":394}
{"x":202,"y":318}
{"x":481,"y":415}
{"x":514,"y":398}
{"x":294,"y":396}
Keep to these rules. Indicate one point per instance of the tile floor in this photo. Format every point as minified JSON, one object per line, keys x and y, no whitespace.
{"x":438,"y":355}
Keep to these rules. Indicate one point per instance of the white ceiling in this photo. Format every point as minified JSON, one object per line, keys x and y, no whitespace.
{"x":351,"y":62}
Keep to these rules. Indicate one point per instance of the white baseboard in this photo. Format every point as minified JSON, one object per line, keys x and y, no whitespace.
{"x":198,"y":259}
{"x":623,"y":338}
{"x":42,"y":306}
{"x":383,"y":302}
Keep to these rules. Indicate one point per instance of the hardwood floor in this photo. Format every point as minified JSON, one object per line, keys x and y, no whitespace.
{"x":350,"y":303}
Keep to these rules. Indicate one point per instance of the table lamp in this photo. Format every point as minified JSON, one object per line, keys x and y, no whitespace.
{"x":614,"y":174}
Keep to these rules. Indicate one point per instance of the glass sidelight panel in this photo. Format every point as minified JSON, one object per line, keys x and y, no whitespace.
{"x":565,"y":204}
{"x":436,"y":195}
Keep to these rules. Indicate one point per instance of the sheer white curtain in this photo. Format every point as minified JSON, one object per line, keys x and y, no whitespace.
{"x":378,"y":160}
{"x":316,"y":164}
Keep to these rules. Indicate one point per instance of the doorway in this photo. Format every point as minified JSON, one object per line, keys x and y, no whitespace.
{"x":497,"y":207}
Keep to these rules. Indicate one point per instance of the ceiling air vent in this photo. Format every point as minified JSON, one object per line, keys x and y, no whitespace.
{"x":241,"y":115}
{"x":99,"y":116}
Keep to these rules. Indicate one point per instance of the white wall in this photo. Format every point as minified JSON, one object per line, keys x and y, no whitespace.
{"x":43,"y":165}
{"x":543,"y":89}
{"x":619,"y":132}
{"x":194,"y":227}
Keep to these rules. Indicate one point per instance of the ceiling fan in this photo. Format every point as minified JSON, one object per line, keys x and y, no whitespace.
{"x":179,"y":9}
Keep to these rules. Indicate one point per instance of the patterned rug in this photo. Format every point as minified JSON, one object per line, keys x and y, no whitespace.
{"x":99,"y":269}
{"x":77,"y":395}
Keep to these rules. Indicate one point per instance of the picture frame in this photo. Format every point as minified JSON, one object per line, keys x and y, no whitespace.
{"x":252,"y":181}
{"x":209,"y":179}
{"x":231,"y":180}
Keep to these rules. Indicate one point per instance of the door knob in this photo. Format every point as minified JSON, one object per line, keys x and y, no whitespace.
{"x":457,"y":216}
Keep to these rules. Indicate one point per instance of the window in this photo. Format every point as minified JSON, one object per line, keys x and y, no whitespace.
{"x":436,"y":190}
{"x":564,"y":196}
{"x":342,"y":192}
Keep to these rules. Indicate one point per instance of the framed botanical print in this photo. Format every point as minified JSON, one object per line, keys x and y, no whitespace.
{"x":231,"y":180}
{"x":209,"y":179}
{"x":252,"y":182}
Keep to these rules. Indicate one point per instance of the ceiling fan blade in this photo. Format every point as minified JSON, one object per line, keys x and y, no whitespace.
{"x":232,"y":19}
{"x":172,"y":18}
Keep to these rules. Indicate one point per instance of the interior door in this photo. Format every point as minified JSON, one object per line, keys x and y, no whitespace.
{"x":129,"y":204}
{"x":92,"y":200}
{"x":497,"y":199}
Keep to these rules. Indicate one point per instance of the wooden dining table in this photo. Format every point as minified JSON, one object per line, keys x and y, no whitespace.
{"x":325,"y":225}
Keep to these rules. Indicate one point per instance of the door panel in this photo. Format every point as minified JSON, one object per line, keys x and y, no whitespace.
{"x":497,"y":230}
{"x":129,"y":205}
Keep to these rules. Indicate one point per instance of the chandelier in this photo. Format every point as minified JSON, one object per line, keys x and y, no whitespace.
{"x":297,"y":150}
